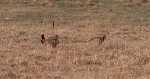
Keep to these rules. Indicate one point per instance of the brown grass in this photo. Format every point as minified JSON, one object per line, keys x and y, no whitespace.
{"x":123,"y":54}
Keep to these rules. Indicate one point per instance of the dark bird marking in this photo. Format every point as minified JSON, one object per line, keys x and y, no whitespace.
{"x":42,"y":39}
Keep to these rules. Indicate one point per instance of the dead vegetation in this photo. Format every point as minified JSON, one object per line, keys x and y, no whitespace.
{"x":31,"y":47}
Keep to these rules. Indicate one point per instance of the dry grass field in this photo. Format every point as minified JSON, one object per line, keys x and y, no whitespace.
{"x":124,"y":54}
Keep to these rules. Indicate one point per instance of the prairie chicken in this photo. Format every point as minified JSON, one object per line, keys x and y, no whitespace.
{"x":43,"y":39}
{"x":53,"y":40}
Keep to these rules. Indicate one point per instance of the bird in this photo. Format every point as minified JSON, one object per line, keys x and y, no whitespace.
{"x":43,"y":39}
{"x":54,"y":41}
{"x":101,"y":39}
